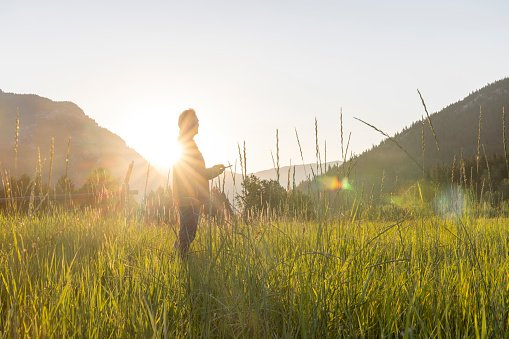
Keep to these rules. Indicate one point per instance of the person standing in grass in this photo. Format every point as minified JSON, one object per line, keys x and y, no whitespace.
{"x":190,"y":181}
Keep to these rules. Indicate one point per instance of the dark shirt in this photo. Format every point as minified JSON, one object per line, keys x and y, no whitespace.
{"x":190,"y":176}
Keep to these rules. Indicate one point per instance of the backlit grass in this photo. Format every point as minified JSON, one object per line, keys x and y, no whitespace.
{"x":80,"y":274}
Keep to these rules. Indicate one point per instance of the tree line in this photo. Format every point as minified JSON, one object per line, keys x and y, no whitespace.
{"x":257,"y":197}
{"x":487,"y":177}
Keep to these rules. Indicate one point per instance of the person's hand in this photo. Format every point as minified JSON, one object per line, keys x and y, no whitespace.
{"x":219,"y":169}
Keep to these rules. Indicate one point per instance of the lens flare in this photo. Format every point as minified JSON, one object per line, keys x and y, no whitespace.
{"x":452,"y":203}
{"x":332,"y":183}
{"x":394,"y":200}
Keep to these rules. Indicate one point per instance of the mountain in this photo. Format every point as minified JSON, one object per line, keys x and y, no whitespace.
{"x":41,"y":119}
{"x":456,"y":130}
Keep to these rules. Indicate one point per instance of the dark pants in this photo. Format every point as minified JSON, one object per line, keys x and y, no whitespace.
{"x":189,"y":216}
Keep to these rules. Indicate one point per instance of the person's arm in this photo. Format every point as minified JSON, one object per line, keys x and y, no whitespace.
{"x":212,"y":172}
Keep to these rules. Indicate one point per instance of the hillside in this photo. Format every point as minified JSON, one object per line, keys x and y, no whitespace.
{"x":41,"y":119}
{"x":456,"y":128}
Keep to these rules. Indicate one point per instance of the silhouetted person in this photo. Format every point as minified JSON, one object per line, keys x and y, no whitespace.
{"x":190,"y":181}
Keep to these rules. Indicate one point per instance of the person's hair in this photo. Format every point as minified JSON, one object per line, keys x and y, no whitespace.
{"x":187,"y":119}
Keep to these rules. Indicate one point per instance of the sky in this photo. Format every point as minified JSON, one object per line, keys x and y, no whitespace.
{"x":251,"y":68}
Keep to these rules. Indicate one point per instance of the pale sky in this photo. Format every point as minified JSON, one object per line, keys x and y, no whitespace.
{"x":251,"y":67}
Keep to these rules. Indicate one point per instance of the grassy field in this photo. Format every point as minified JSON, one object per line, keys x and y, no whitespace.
{"x":77,"y":273}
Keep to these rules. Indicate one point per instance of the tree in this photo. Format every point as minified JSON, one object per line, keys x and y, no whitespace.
{"x":22,"y":186}
{"x":261,"y":196}
{"x":64,"y":185}
{"x":102,"y":183}
{"x":250,"y":200}
{"x":273,"y":196}
{"x":100,"y":180}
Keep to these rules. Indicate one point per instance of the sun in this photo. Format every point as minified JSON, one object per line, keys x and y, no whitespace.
{"x":166,"y":157}
{"x":161,"y":154}
{"x":154,"y":136}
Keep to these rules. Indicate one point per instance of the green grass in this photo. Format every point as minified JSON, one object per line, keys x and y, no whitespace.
{"x":81,"y":274}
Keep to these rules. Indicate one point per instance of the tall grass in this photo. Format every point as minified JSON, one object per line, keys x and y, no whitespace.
{"x":430,"y":272}
{"x":80,"y":274}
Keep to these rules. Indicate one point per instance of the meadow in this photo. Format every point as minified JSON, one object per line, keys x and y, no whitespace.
{"x":77,"y":273}
{"x":410,"y":268}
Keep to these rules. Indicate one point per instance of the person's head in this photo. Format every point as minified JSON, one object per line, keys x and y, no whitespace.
{"x":188,"y":123}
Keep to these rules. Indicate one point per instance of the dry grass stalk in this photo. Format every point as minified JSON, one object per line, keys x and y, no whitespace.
{"x":32,"y":195}
{"x":7,"y":190}
{"x":318,"y":159}
{"x":371,"y":196}
{"x":488,"y":167}
{"x":431,"y":125}
{"x":67,"y":181}
{"x":52,"y":151}
{"x":16,"y":134}
{"x":146,"y":182}
{"x":347,"y":174}
{"x":243,"y":164}
{"x":479,"y":139}
{"x":422,"y":134}
{"x":38,"y":179}
{"x":288,"y":181}
{"x":168,"y":179}
{"x":341,"y":124}
{"x":224,"y":181}
{"x":302,"y":157}
{"x":452,"y":171}
{"x":293,"y":178}
{"x":325,"y":156}
{"x":472,"y":179}
{"x":505,"y":141}
{"x":393,"y":140}
{"x":245,"y":159}
{"x":463,"y":171}
{"x":234,"y":184}
{"x":277,"y":155}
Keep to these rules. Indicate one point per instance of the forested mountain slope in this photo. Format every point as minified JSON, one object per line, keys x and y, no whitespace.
{"x":456,"y":130}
